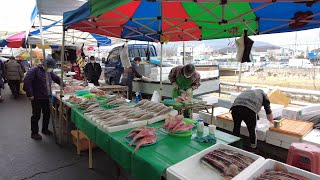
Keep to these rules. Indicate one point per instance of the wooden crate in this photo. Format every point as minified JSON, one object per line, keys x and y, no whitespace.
{"x":293,"y":127}
{"x":83,"y":140}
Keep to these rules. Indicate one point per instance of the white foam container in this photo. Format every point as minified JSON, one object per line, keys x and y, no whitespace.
{"x":313,"y":137}
{"x":291,"y":113}
{"x":224,"y":124}
{"x":310,"y":108}
{"x":281,"y":140}
{"x":233,"y":97}
{"x":165,"y":70}
{"x":261,"y":129}
{"x":276,"y":111}
{"x":275,"y":142}
{"x":269,"y":164}
{"x":216,"y":111}
{"x":123,"y":127}
{"x":192,"y":168}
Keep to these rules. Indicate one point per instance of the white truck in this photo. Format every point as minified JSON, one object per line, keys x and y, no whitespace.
{"x":300,"y":63}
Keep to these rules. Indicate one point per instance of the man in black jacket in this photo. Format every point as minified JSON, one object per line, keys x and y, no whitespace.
{"x":92,"y":70}
{"x":246,"y":107}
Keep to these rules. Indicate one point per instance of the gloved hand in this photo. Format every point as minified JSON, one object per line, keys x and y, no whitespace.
{"x":189,"y":91}
{"x":144,"y":78}
{"x":175,"y":85}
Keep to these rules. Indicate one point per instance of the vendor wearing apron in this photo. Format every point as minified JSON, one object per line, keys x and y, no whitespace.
{"x":184,"y":79}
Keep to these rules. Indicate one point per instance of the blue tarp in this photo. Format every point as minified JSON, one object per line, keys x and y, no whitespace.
{"x":101,"y":40}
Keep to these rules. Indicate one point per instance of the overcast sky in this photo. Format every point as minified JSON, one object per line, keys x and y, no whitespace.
{"x":16,"y":18}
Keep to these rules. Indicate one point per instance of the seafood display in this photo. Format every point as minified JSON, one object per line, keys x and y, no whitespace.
{"x":177,"y":125}
{"x":280,"y":172}
{"x":229,"y":163}
{"x":75,"y":99}
{"x":72,"y":89}
{"x":85,"y":104}
{"x":98,"y":92}
{"x":123,"y":114}
{"x":141,"y":136}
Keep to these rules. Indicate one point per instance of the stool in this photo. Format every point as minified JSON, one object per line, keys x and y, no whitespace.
{"x":308,"y":151}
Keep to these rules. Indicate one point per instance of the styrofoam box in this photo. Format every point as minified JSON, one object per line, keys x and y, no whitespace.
{"x":216,"y":111}
{"x":157,"y":77}
{"x":269,"y":164}
{"x":276,"y":111}
{"x":310,"y":108}
{"x":224,"y":124}
{"x":261,"y":129}
{"x":165,"y":70}
{"x":192,"y":168}
{"x":291,"y":113}
{"x":281,"y":140}
{"x":313,"y":137}
{"x":210,"y":99}
{"x":233,"y":97}
{"x":272,"y":141}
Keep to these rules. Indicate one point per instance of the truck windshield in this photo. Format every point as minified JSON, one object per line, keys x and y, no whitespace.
{"x":141,"y":51}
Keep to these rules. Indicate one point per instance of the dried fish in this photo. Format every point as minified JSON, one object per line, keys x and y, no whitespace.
{"x":228,"y":162}
{"x":164,"y":111}
{"x":145,"y":117}
{"x":141,"y":103}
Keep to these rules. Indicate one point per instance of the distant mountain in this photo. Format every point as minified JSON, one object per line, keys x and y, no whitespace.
{"x":222,"y":44}
{"x":316,"y":50}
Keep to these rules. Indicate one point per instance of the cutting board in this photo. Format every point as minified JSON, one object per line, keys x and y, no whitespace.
{"x":293,"y":127}
{"x":226,"y":116}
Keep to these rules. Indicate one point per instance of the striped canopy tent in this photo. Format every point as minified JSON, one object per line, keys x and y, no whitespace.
{"x":188,"y":20}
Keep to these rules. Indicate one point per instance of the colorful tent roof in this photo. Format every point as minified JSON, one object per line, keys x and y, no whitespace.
{"x":184,"y":20}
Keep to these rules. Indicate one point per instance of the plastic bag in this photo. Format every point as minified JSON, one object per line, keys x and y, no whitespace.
{"x":155,"y":97}
{"x":124,"y":56}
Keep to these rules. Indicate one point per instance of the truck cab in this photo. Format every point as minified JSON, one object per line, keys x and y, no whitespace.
{"x":113,"y":67}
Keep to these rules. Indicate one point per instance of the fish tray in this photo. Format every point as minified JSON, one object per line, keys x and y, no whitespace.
{"x":192,"y":167}
{"x":268,"y":164}
{"x":123,"y":127}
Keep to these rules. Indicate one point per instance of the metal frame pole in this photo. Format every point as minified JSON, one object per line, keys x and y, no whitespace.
{"x":47,"y":78}
{"x":161,"y":58}
{"x":61,"y":86}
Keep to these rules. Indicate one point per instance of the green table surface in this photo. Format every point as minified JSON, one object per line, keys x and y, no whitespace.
{"x":148,"y":162}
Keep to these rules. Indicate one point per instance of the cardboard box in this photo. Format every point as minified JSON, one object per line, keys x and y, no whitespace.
{"x":83,"y":140}
{"x":277,"y":97}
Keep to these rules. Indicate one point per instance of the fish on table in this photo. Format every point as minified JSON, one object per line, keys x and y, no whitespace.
{"x":228,"y":162}
{"x":142,"y":135}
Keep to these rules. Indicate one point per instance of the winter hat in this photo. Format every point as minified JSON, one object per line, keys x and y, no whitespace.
{"x":51,"y":63}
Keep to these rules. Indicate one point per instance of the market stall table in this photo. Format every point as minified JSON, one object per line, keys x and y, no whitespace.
{"x":148,"y":162}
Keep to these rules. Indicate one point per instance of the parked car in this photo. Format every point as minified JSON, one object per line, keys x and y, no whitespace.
{"x":113,"y":67}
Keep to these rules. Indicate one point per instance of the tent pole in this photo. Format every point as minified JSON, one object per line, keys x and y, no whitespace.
{"x":47,"y":78}
{"x":61,"y":86}
{"x":30,"y":50}
{"x":161,"y":51}
{"x":184,"y":53}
